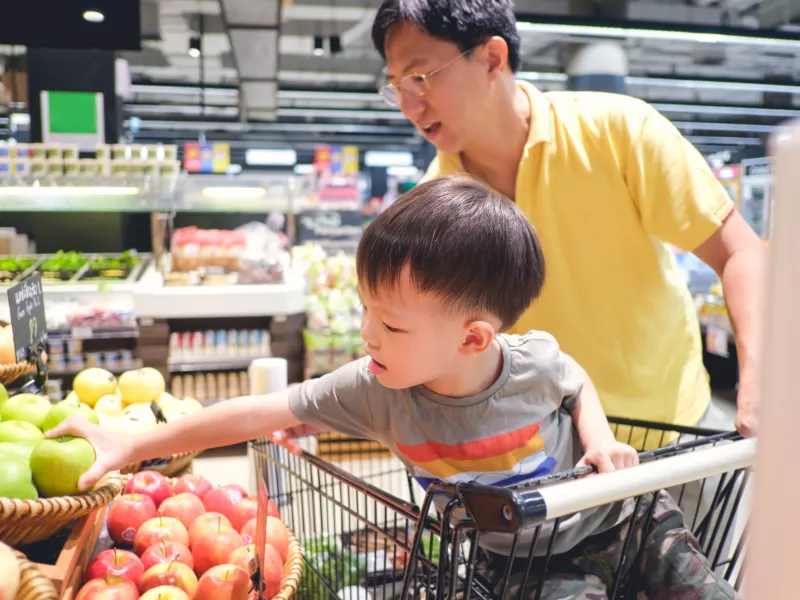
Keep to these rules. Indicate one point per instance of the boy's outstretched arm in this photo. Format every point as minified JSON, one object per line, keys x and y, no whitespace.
{"x":229,"y":422}
{"x":600,"y":447}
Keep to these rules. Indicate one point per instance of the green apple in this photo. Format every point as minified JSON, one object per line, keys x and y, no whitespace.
{"x":26,"y":407}
{"x":20,"y":431}
{"x":15,"y":479}
{"x":57,"y":464}
{"x":3,"y":394}
{"x":21,"y":450}
{"x":64,"y":410}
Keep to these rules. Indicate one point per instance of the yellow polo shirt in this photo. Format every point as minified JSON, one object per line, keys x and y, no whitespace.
{"x":608,"y":182}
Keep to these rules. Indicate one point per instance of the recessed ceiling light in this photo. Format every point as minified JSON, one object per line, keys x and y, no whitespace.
{"x":94,"y":16}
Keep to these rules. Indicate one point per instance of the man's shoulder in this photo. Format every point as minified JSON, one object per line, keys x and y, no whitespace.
{"x":598,"y":108}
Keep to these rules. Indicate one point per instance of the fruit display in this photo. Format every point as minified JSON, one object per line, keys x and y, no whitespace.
{"x":10,"y":574}
{"x":61,"y":266}
{"x":12,"y":267}
{"x":176,"y":540}
{"x":332,"y":336}
{"x":112,"y":267}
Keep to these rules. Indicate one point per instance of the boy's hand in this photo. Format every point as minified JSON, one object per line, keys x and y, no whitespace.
{"x":110,"y":448}
{"x":288,"y":437}
{"x":610,"y":457}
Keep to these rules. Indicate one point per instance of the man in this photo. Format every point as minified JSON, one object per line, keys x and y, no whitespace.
{"x":608,"y":183}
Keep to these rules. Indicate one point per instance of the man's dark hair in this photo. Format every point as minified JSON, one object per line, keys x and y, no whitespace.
{"x":466,"y":23}
{"x":459,"y":240}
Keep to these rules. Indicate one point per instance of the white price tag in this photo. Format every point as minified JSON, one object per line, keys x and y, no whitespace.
{"x":717,"y":341}
{"x":81,"y":333}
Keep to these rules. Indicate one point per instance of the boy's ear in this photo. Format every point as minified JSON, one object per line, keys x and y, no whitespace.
{"x":478,"y":337}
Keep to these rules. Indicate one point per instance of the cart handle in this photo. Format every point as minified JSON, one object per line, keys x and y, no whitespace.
{"x":504,"y":510}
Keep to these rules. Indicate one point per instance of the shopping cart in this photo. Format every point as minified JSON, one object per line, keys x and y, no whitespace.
{"x":367,"y":537}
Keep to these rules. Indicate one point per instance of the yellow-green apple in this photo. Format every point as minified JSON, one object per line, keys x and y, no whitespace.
{"x":214,"y":548}
{"x":207,"y":523}
{"x":222,"y":499}
{"x":224,"y":582}
{"x":9,"y":573}
{"x":15,"y":479}
{"x":165,"y":592}
{"x":185,"y":507}
{"x":111,"y":587}
{"x":158,"y":530}
{"x":127,"y":514}
{"x":110,"y":405}
{"x":21,"y":450}
{"x":150,"y":483}
{"x":58,"y":463}
{"x":120,"y":563}
{"x":20,"y":431}
{"x":26,"y":407}
{"x":63,"y":410}
{"x":194,"y":484}
{"x":175,"y":574}
{"x":167,"y":551}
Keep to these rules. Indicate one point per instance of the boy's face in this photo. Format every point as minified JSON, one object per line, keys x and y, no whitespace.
{"x":412,"y":340}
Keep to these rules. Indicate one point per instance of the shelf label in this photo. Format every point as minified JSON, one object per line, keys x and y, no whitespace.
{"x":332,"y":229}
{"x":28,"y":322}
{"x":81,"y":333}
{"x":717,"y":342}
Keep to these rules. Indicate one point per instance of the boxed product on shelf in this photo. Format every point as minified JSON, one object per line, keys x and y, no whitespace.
{"x":190,"y":345}
{"x":194,"y":248}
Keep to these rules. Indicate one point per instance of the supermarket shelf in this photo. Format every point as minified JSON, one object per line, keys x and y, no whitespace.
{"x":211,"y":363}
{"x":184,"y":302}
{"x":77,"y":199}
{"x":89,"y":333}
{"x":136,"y":364}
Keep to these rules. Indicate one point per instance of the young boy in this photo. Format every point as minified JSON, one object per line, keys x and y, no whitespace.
{"x":441,"y":273}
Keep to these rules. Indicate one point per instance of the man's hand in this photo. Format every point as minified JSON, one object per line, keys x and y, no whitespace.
{"x":747,"y":413}
{"x":288,"y":437}
{"x":110,"y":448}
{"x":609,"y":457}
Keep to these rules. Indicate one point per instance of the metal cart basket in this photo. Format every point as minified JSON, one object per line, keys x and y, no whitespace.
{"x":370,"y":532}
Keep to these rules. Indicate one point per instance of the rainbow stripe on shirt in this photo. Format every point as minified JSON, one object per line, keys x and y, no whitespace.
{"x":499,"y":460}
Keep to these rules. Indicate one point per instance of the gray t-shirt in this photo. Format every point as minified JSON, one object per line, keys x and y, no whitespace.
{"x":518,"y":429}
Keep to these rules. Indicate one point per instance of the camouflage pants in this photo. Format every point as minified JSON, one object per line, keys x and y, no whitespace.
{"x":671,"y":565}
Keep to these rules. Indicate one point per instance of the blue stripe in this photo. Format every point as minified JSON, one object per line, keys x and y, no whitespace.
{"x":545,"y":468}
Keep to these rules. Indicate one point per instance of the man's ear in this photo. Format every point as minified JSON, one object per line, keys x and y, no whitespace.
{"x":478,"y":337}
{"x":496,"y":50}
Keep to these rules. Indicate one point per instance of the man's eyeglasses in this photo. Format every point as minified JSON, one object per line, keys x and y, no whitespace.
{"x":416,"y":84}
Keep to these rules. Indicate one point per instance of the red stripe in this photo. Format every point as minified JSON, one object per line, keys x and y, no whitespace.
{"x":486,"y":448}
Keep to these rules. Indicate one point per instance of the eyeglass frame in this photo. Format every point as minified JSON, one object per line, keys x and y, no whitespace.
{"x":423,"y":77}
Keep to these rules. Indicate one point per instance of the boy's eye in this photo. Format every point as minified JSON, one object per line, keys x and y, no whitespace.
{"x":391,"y":329}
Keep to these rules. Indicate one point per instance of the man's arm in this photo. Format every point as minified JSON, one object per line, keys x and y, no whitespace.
{"x":738,"y":256}
{"x":226,"y":423}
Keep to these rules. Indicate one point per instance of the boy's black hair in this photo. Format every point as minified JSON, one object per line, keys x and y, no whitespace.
{"x":460,"y":241}
{"x":466,"y":23}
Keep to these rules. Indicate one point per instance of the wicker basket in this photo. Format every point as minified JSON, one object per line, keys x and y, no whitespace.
{"x":10,"y":373}
{"x":292,"y":570}
{"x":28,"y":521}
{"x":175,"y":465}
{"x":33,"y":585}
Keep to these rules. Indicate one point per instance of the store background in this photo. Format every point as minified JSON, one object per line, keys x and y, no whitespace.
{"x":218,"y":116}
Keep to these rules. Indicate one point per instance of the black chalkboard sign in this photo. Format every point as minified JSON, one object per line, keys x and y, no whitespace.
{"x":28,"y":322}
{"x":332,"y":229}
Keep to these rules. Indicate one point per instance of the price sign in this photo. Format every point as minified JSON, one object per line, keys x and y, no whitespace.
{"x":334,"y":230}
{"x":717,"y":341}
{"x":28,"y":322}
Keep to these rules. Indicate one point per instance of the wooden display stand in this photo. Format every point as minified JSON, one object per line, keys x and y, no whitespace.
{"x":73,"y":557}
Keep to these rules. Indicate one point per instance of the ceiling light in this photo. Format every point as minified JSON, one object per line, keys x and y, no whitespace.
{"x":646,"y":33}
{"x":94,"y":16}
{"x":378,"y":158}
{"x":68,"y":191}
{"x":271,"y":157}
{"x":319,"y":49}
{"x":700,"y":109}
{"x":195,"y":47}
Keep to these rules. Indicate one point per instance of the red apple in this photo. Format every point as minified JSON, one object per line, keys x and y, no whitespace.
{"x":167,"y":551}
{"x":207,"y":523}
{"x":194,"y":484}
{"x":222,"y":499}
{"x":185,"y":507}
{"x":277,"y":535}
{"x":157,"y":530}
{"x":126,"y":515}
{"x":224,"y":582}
{"x":272,"y":573}
{"x":214,"y":548}
{"x":175,"y":574}
{"x":120,"y":563}
{"x":111,"y":587}
{"x":165,"y":592}
{"x":150,"y":483}
{"x":244,"y":510}
{"x":245,"y":557}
